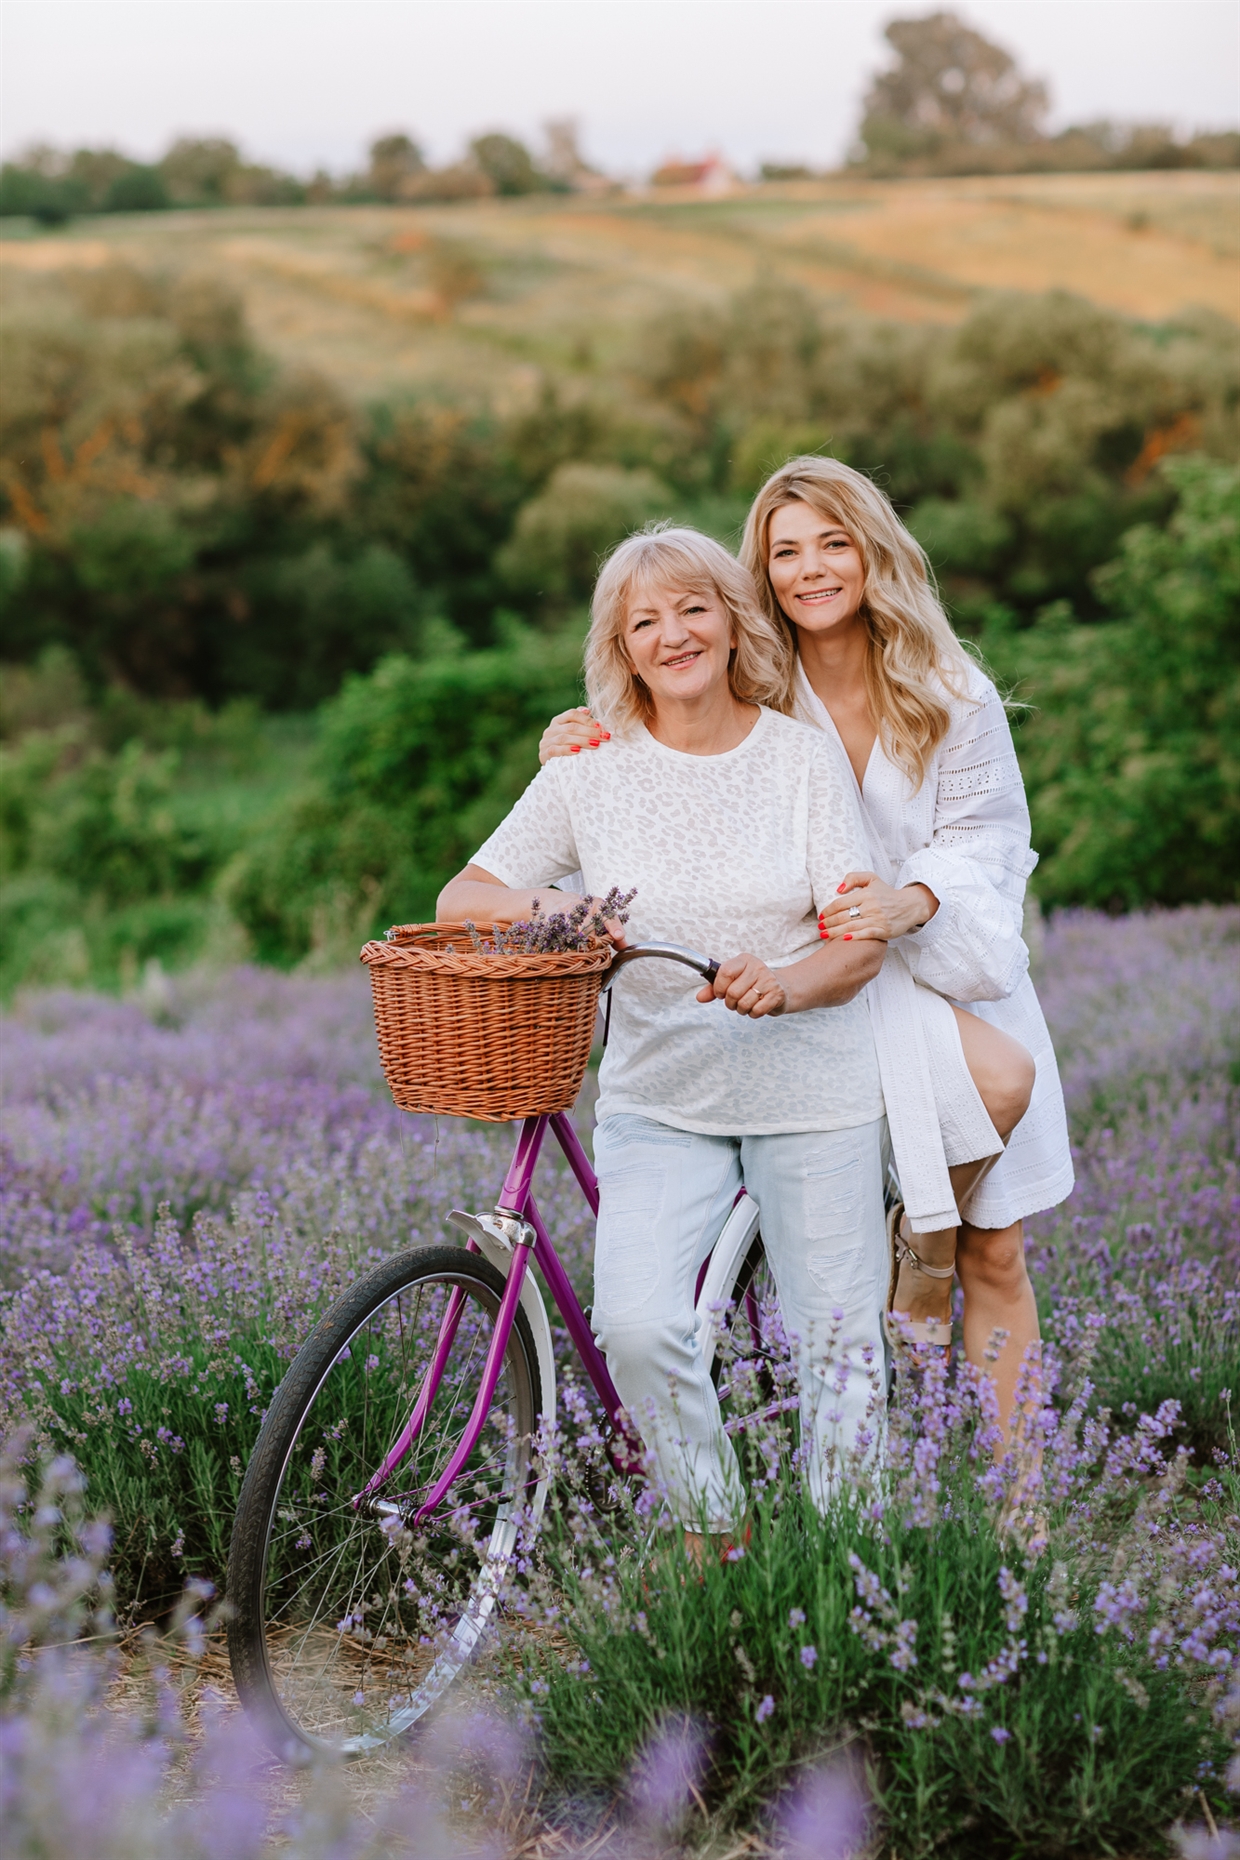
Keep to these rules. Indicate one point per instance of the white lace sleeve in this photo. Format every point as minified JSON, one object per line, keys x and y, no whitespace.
{"x":977,"y":862}
{"x":535,"y":843}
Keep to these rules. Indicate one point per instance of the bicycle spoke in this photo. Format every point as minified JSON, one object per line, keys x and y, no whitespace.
{"x":363,"y":1618}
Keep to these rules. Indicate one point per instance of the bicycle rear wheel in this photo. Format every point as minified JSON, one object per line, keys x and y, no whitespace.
{"x":350,"y":1618}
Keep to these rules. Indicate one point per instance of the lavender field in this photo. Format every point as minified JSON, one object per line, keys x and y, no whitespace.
{"x":189,"y":1175}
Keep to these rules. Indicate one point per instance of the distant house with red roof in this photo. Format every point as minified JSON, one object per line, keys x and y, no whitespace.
{"x":709,"y":176}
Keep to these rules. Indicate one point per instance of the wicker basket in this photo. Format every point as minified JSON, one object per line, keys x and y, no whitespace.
{"x":494,"y":1037}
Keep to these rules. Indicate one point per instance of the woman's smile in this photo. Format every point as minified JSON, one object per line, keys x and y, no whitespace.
{"x":815,"y":567}
{"x":678,"y":643}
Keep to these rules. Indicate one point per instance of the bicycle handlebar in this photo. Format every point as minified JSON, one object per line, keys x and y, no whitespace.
{"x":706,"y":966}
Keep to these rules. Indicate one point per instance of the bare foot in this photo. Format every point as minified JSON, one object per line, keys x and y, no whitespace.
{"x":718,"y":1546}
{"x":696,"y":1547}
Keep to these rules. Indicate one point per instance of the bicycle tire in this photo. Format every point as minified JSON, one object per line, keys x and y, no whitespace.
{"x":346,"y":1635}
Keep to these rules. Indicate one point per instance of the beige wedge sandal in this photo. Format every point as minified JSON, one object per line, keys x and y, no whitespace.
{"x":934,"y":1331}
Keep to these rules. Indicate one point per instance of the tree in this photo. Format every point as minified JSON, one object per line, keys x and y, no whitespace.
{"x":507,"y":164}
{"x":949,"y":88}
{"x":394,"y":161}
{"x":136,"y":189}
{"x":562,"y":535}
{"x":197,"y":170}
{"x":41,"y":183}
{"x":564,"y":164}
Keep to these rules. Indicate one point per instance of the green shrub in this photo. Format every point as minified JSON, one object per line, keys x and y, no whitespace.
{"x":419,"y":760}
{"x":561,"y":536}
{"x":105,"y":824}
{"x":196,"y":521}
{"x":962,"y":537}
{"x":41,"y":935}
{"x":115,"y":822}
{"x":1129,"y":753}
{"x":324,"y":612}
{"x":165,"y":1411}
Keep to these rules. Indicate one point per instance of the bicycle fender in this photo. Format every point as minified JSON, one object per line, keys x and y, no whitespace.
{"x":725,"y":1262}
{"x":500,"y":1257}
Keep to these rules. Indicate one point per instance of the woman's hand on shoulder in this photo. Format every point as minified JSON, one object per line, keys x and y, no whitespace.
{"x":746,"y":986}
{"x":570,"y":733}
{"x":869,"y":909}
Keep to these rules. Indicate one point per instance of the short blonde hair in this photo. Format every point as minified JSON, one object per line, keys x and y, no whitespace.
{"x":761,"y":666}
{"x":914,"y":655}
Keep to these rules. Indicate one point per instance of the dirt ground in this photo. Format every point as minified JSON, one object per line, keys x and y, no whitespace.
{"x":515,"y":1815}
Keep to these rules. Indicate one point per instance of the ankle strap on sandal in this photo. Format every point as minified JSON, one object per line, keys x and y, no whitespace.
{"x":931,"y":1272}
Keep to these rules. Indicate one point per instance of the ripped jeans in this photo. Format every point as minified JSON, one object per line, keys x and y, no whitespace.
{"x":664,"y":1195}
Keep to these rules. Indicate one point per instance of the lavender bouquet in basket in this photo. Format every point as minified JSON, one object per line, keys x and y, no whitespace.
{"x":557,"y":933}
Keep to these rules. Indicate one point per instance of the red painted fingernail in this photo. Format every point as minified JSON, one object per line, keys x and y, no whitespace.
{"x":848,"y":936}
{"x":841,"y":888}
{"x":575,"y":750}
{"x":606,"y":736}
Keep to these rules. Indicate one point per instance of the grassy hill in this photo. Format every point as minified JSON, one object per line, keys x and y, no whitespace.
{"x":247,"y":453}
{"x":474,"y":298}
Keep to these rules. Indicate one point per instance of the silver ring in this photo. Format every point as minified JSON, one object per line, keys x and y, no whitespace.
{"x":854,"y":910}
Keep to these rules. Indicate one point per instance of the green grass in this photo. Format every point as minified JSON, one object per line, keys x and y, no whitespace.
{"x":1084,"y":1747}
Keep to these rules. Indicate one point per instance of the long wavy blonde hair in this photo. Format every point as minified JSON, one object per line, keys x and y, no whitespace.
{"x":914,"y":656}
{"x":762,"y":663}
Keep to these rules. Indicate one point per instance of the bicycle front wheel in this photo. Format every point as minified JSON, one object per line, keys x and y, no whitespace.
{"x":351,"y":1616}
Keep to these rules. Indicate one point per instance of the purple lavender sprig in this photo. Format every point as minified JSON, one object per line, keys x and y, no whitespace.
{"x":558,"y":932}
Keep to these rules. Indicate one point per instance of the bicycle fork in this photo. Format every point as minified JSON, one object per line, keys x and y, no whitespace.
{"x":515,"y":1229}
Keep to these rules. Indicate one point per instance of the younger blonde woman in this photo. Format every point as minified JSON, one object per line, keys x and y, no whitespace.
{"x":925,"y":732}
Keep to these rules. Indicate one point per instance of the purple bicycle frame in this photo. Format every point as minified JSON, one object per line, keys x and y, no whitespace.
{"x":517,"y":1198}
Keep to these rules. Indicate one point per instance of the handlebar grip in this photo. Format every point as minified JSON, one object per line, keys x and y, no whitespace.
{"x":706,"y":966}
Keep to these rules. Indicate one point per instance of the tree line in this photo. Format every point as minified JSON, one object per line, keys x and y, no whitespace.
{"x":53,"y":185}
{"x":950,"y":102}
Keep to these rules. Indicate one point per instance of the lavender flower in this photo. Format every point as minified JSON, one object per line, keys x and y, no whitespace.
{"x":825,"y":1817}
{"x":580,"y":928}
{"x":181,"y":1194}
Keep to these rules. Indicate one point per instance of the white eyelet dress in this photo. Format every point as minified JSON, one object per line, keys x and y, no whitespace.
{"x":965,"y":834}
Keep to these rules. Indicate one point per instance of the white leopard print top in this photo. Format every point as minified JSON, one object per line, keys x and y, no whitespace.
{"x":728,"y":853}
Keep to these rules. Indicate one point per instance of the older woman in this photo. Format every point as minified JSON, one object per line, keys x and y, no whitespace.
{"x":737,"y":826}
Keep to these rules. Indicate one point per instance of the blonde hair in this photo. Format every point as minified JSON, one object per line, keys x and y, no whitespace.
{"x":913,"y":652}
{"x":762,"y":663}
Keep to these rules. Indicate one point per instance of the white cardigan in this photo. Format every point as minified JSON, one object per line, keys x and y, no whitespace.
{"x":965,"y":834}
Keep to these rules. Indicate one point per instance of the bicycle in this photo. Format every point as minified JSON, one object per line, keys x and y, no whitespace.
{"x":397,"y":1465}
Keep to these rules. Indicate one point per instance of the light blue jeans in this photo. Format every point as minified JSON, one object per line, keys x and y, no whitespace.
{"x":664,"y":1195}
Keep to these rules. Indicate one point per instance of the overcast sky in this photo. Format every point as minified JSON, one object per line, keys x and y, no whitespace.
{"x":309,"y":82}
